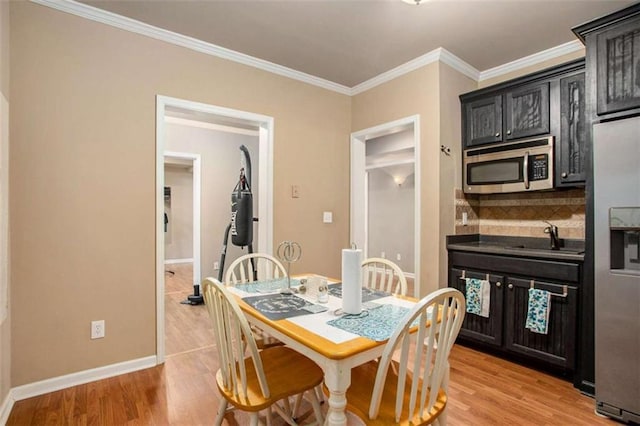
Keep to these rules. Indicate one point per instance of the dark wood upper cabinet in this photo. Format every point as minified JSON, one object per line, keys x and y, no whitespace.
{"x":548,"y":102}
{"x":527,"y":112}
{"x":507,"y":115}
{"x":613,"y":58}
{"x":618,"y":63}
{"x":483,"y":121}
{"x":574,"y":131}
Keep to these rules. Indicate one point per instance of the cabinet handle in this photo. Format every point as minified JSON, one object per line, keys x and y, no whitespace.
{"x":508,"y":132}
{"x":498,"y":284}
{"x":498,"y":135}
{"x":510,"y":286}
{"x":564,"y":174}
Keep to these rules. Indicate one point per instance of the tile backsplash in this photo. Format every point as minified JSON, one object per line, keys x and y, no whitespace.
{"x":522,"y":214}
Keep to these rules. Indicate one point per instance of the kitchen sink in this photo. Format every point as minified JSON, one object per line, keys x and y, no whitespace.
{"x":561,"y":249}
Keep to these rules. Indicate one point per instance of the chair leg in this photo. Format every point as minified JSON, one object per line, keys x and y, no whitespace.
{"x":315,"y":403}
{"x":442,"y":418}
{"x":285,"y":413}
{"x":222,"y":409}
{"x":253,"y":418}
{"x":296,"y":406}
{"x":269,"y":418}
{"x":319,"y":393}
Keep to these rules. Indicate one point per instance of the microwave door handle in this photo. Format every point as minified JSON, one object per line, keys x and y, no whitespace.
{"x":526,"y":170}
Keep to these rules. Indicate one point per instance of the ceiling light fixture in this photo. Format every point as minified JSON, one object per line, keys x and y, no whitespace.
{"x":415,"y":2}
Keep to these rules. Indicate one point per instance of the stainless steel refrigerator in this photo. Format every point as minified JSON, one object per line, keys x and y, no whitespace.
{"x":616,"y":168}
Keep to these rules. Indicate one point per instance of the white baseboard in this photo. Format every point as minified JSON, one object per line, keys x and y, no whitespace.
{"x":172,"y":261}
{"x":5,"y":409}
{"x":56,"y":383}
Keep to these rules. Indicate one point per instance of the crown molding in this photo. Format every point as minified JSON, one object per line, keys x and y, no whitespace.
{"x":128,"y":24}
{"x":439,"y":54}
{"x":536,"y":58}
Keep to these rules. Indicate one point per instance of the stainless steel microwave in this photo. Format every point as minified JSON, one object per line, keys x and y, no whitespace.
{"x":521,"y":166}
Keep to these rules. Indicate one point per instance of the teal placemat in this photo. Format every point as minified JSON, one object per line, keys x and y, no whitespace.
{"x":367,"y":293}
{"x":267,"y":286}
{"x":376,"y":324}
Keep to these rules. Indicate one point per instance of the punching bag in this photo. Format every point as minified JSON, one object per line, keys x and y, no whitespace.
{"x":241,"y":214}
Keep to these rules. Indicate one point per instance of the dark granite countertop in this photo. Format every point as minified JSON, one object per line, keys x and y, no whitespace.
{"x":570,"y":249}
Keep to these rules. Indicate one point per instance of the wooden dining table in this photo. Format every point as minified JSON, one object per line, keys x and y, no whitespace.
{"x":334,"y":350}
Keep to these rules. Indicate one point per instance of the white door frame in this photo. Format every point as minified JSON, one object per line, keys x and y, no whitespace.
{"x":265,"y":189}
{"x":197,"y":185}
{"x":359,"y":182}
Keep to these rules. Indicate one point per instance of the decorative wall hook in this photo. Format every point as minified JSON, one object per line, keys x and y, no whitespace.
{"x":445,"y":149}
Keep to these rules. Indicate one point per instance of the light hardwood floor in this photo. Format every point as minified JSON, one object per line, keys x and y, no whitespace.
{"x":484,"y":390}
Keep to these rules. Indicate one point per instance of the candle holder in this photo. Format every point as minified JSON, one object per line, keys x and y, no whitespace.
{"x":289,"y":252}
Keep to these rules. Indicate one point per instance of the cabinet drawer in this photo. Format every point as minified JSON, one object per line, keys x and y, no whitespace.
{"x":544,"y":269}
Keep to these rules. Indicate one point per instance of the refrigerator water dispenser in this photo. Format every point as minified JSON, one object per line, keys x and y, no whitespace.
{"x":624,"y":225}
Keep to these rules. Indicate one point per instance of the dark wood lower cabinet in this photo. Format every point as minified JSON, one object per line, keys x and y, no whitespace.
{"x":558,"y":346}
{"x":485,"y":330}
{"x":504,"y":330}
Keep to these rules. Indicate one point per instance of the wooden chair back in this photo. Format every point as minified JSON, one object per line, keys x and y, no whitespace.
{"x":234,"y":339}
{"x":241,"y":270}
{"x":421,"y":367}
{"x":382,"y":274}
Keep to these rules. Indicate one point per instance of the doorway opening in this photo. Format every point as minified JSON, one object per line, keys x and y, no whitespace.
{"x":385,"y":194}
{"x":175,"y":117}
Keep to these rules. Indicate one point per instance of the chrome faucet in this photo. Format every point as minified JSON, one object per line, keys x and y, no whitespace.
{"x":552,"y":230}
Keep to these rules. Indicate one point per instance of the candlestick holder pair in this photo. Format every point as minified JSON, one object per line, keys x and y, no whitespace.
{"x":289,"y":252}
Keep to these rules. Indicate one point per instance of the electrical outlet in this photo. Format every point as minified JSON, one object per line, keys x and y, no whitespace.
{"x":465,"y":219}
{"x":398,"y":257}
{"x":97,"y":329}
{"x":216,"y":266}
{"x":383,"y":255}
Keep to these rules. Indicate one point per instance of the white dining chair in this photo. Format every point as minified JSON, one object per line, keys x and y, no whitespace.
{"x":382,"y":274}
{"x":261,"y":380}
{"x":416,"y":391}
{"x":242,"y":271}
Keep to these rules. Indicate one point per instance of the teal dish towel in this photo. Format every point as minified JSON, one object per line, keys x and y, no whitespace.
{"x":478,"y":296}
{"x":538,"y":310}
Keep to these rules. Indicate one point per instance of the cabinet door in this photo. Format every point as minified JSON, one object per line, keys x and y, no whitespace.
{"x":570,"y":147}
{"x":618,"y":67}
{"x":527,"y":111}
{"x":558,"y":346}
{"x":482,"y":121}
{"x":477,"y":328}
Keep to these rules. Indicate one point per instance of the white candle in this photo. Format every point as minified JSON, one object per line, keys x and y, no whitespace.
{"x":351,"y":281}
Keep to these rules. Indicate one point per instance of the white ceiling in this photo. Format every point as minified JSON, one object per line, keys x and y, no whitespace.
{"x":351,"y":41}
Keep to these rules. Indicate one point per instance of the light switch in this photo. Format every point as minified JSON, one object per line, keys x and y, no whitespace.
{"x":295,"y":191}
{"x":327,"y":217}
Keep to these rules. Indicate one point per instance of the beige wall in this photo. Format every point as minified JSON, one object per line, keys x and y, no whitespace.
{"x":5,"y":328}
{"x":432,"y":92}
{"x":87,"y":104}
{"x":452,"y":84}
